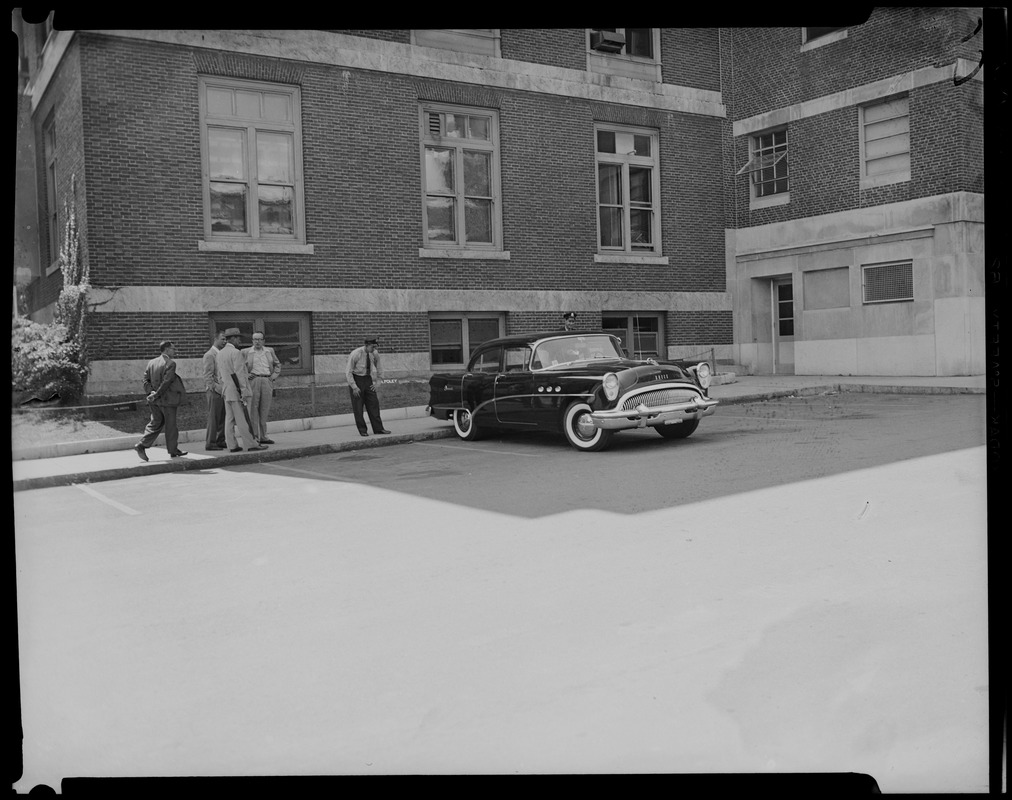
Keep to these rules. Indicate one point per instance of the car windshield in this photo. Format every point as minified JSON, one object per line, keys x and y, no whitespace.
{"x":567,"y":349}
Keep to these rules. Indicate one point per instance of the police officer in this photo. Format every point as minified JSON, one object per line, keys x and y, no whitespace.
{"x":362,"y":372}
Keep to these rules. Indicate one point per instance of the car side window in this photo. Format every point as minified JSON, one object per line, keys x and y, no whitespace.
{"x":488,"y":361}
{"x":516,"y":358}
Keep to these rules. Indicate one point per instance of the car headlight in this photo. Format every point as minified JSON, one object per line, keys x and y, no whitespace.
{"x":703,"y":374}
{"x":610,"y":384}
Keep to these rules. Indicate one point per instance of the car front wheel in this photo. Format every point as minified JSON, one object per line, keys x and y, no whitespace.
{"x":580,"y":431}
{"x":464,"y":425}
{"x":680,"y":431}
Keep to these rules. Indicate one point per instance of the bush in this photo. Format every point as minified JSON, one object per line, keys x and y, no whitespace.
{"x":44,"y":363}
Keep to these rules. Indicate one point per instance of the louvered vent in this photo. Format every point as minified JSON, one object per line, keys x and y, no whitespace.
{"x":434,"y":125}
{"x":887,"y":282}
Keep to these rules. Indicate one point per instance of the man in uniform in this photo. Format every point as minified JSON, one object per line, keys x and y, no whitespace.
{"x":213,"y":388}
{"x":165,"y":392}
{"x":264,"y":368}
{"x":232,"y":368}
{"x":363,"y":368}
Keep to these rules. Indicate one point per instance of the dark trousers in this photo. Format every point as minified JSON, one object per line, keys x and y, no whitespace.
{"x":366,"y":397}
{"x":215,"y":419}
{"x":162,"y":417}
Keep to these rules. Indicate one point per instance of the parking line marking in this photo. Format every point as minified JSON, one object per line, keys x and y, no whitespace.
{"x":481,"y":450}
{"x":311,"y":473}
{"x":108,"y":500}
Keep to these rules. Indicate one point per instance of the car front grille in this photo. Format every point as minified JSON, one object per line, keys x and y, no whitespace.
{"x":661,"y":397}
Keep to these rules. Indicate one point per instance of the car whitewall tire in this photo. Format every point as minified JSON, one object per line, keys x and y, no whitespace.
{"x":580,"y":431}
{"x":464,"y":425}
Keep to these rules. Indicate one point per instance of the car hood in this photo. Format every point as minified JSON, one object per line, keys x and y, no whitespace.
{"x":630,"y":372}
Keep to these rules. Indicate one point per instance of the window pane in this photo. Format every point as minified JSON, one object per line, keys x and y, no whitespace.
{"x":438,"y":171}
{"x":611,"y":227}
{"x":639,"y":42}
{"x":880,"y":148}
{"x":479,"y":128}
{"x":456,"y":125}
{"x":609,"y":184}
{"x":477,"y":174}
{"x":276,"y":209}
{"x":639,"y":185}
{"x":642,"y":145}
{"x":283,"y":336}
{"x":228,"y":207}
{"x":247,"y":104}
{"x":274,"y":157}
{"x":639,"y":227}
{"x":882,"y":166}
{"x":226,"y":154}
{"x":439,"y":212}
{"x":605,"y":142}
{"x":277,"y":106}
{"x":446,"y":341}
{"x":480,"y":331}
{"x":478,"y":221}
{"x":219,"y":101}
{"x":786,"y":327}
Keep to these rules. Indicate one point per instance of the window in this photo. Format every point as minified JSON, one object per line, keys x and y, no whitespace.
{"x":816,"y":37}
{"x":767,"y":168}
{"x":627,"y":190}
{"x":638,"y":42}
{"x":453,"y":336}
{"x":460,"y":169}
{"x":287,"y":333}
{"x":515,"y":359}
{"x":645,"y":332}
{"x":888,"y":282}
{"x":885,"y":142}
{"x":251,"y":140}
{"x":482,"y":41}
{"x":628,"y":52}
{"x":785,"y":308}
{"x":488,"y":361}
{"x":52,"y":203}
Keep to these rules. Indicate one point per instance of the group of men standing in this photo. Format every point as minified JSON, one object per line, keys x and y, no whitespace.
{"x":239,"y":385}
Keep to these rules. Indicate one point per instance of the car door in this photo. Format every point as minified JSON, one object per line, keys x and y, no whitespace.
{"x":514,"y":386}
{"x":478,"y":383}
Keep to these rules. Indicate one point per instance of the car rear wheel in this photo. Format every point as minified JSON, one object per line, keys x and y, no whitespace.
{"x":680,"y":431}
{"x":464,"y":425}
{"x":580,"y":431}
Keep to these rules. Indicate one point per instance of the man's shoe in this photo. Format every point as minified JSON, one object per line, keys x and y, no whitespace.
{"x":234,"y":449}
{"x":178,"y":453}
{"x":383,"y":430}
{"x":139,"y":450}
{"x":363,"y":433}
{"x":214,"y":447}
{"x":266,"y":441}
{"x":258,"y":447}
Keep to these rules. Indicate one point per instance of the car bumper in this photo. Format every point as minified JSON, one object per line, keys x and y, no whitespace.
{"x":643,"y":416}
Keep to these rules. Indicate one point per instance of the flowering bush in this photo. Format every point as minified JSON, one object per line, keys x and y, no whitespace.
{"x":44,"y":363}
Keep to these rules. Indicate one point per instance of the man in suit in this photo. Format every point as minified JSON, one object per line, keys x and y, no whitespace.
{"x":232,"y":369}
{"x":165,"y":392}
{"x":264,"y":368}
{"x":213,"y":388}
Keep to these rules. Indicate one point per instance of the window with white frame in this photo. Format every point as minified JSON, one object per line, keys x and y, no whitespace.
{"x":885,"y":142}
{"x":453,"y":336}
{"x":627,"y":190}
{"x":888,"y":282}
{"x":481,"y":41}
{"x":767,"y":168}
{"x":252,"y":162}
{"x":642,"y":333}
{"x":52,"y":203}
{"x":286,"y":332}
{"x":460,"y":174}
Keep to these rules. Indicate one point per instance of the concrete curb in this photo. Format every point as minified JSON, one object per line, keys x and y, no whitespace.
{"x":837,"y":388}
{"x":227,"y":460}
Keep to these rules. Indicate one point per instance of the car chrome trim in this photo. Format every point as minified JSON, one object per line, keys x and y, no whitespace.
{"x":643,"y":416}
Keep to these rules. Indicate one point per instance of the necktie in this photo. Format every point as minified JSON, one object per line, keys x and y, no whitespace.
{"x":368,"y":364}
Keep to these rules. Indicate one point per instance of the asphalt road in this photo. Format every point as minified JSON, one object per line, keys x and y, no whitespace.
{"x":800,"y":586}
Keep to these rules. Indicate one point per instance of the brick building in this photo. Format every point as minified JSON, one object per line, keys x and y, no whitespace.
{"x":438,"y":187}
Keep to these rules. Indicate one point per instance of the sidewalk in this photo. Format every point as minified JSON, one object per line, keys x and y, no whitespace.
{"x":113,"y":458}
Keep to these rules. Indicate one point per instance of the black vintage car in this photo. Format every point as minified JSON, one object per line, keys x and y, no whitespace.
{"x":579,"y":382}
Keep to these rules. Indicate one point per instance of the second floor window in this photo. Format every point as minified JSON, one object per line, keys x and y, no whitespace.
{"x":460,"y":168}
{"x":769,"y":164}
{"x":252,"y":161}
{"x":885,"y":142}
{"x":627,"y":190}
{"x":52,"y":205}
{"x":638,"y":42}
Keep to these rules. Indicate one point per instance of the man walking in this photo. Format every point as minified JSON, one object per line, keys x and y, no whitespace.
{"x":363,"y":366}
{"x":232,"y":368}
{"x":165,"y":392}
{"x":264,"y":368}
{"x":213,"y":388}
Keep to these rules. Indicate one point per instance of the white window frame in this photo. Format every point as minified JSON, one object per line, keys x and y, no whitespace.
{"x":823,"y":39}
{"x":898,"y":299}
{"x":623,"y":64}
{"x":895,"y":176}
{"x":625,"y":161}
{"x":632,"y":329}
{"x":460,"y":247}
{"x":479,"y":41}
{"x":759,"y":160}
{"x":253,"y":240}
{"x":466,"y":348}
{"x":221,"y":320}
{"x":50,"y":155}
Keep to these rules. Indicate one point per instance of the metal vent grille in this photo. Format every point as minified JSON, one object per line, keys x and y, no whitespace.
{"x":662,"y":397}
{"x":434,"y":125}
{"x":884,"y":283}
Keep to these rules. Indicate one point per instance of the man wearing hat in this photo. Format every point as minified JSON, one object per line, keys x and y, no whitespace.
{"x":165,"y":392}
{"x":232,"y":368}
{"x":569,"y":320}
{"x":363,"y":368}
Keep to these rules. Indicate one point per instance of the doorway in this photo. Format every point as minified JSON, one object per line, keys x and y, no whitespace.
{"x":782,"y":300}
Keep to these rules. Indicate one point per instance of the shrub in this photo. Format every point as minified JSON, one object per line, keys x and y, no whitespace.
{"x":44,"y":363}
